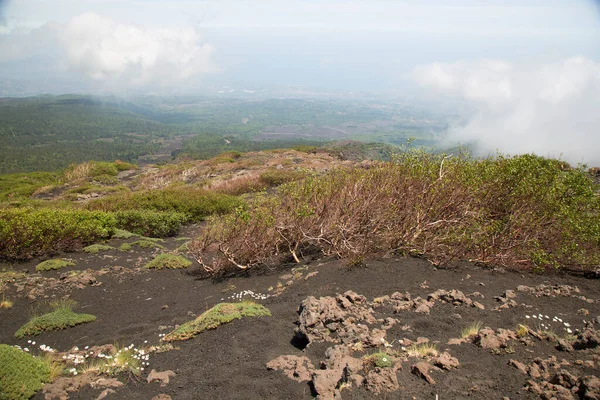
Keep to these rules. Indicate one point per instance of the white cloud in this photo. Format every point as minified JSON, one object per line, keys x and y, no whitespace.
{"x":105,"y":50}
{"x":550,"y":110}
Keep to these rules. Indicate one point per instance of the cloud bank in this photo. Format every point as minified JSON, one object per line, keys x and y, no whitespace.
{"x":103,"y":49}
{"x":550,"y":110}
{"x":115,"y":55}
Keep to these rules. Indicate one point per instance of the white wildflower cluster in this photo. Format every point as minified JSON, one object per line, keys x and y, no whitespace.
{"x":546,"y":322}
{"x":387,"y":344}
{"x":247,"y":293}
{"x":32,"y":343}
{"x":76,"y":359}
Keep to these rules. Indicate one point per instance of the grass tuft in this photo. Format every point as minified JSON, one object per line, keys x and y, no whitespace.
{"x":55,"y":264}
{"x":422,"y":350}
{"x":471,"y":330}
{"x":61,"y":317}
{"x":168,"y":261}
{"x":220,"y":314}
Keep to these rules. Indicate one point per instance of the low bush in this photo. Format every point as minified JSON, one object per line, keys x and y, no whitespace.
{"x":168,"y":261}
{"x":150,"y":223}
{"x":195,"y":204}
{"x":521,"y":212}
{"x":21,"y":374}
{"x":220,"y":314}
{"x":55,"y":264}
{"x":276,"y":177}
{"x":61,"y":317}
{"x":26,"y":232}
{"x":21,"y":186}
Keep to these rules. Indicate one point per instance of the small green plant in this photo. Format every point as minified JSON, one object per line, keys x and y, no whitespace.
{"x":96,"y":248}
{"x":54,"y":264}
{"x":21,"y":374}
{"x":147,"y":243}
{"x":168,"y":261}
{"x":61,"y":317}
{"x":121,"y":360}
{"x":380,"y":360}
{"x":471,"y":330}
{"x":220,"y":314}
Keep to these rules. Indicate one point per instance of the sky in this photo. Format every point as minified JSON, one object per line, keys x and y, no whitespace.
{"x":522,"y":67}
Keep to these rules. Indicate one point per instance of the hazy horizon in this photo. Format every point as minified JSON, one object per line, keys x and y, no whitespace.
{"x":529,"y":71}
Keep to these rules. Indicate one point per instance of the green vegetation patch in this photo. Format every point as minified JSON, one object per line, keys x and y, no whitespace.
{"x":21,"y":374}
{"x":150,"y":223}
{"x":20,"y":186}
{"x":61,"y":317}
{"x":29,"y":232}
{"x":53,"y":264}
{"x":220,"y":314}
{"x":195,"y":204}
{"x":123,"y":234}
{"x":96,"y":248}
{"x":381,"y":360}
{"x":168,"y":261}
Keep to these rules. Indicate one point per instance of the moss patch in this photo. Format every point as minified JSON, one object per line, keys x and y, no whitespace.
{"x":96,"y":248}
{"x":61,"y":317}
{"x":168,"y":261}
{"x":123,"y":234}
{"x":21,"y":374}
{"x":220,"y":314}
{"x":53,"y":264}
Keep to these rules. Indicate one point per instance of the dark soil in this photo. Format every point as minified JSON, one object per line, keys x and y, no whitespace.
{"x":133,"y":305}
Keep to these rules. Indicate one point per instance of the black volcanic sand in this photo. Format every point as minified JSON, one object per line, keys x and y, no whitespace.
{"x":230,"y":362}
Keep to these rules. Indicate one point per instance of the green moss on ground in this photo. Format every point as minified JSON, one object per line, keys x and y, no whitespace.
{"x":61,"y":317}
{"x":220,"y":314}
{"x":21,"y":374}
{"x":123,"y":234}
{"x":168,"y":261}
{"x":96,"y":248}
{"x":53,"y":265}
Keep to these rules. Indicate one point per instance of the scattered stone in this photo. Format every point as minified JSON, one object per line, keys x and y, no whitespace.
{"x":446,"y":361}
{"x":588,"y":339}
{"x":105,"y":393}
{"x":421,"y":369}
{"x":381,"y":380}
{"x":298,"y":368}
{"x":162,"y":396}
{"x":163,"y":377}
{"x":583,"y":311}
{"x":589,"y":388}
{"x":519,"y":365}
{"x":564,"y":345}
{"x":326,"y":383}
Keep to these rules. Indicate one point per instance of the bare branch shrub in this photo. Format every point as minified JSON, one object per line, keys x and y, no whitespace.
{"x":521,"y":212}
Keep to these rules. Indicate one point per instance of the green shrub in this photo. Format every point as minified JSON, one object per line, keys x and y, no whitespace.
{"x":26,"y":232}
{"x":21,"y":374}
{"x":279,"y":177}
{"x":61,"y":317}
{"x":150,"y":223}
{"x":195,"y":204}
{"x":168,"y":261}
{"x":96,"y":248}
{"x":521,"y":212}
{"x":21,"y":186}
{"x":380,"y":360}
{"x":125,"y":247}
{"x":220,"y":314}
{"x":53,"y":265}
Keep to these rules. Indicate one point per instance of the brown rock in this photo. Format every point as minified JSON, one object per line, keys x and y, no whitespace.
{"x":326,"y":382}
{"x":105,"y":393}
{"x":298,"y":368}
{"x":382,"y":380}
{"x":487,"y":339}
{"x":446,"y":361}
{"x":421,"y":369}
{"x":163,"y":377}
{"x":564,"y":378}
{"x":589,"y":388}
{"x":518,"y":365}
{"x":162,"y":396}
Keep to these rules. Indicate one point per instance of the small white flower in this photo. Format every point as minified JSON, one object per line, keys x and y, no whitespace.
{"x":569,"y":330}
{"x":527,"y":316}
{"x":567,"y":324}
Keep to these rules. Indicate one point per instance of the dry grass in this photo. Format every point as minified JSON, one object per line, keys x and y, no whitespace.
{"x":422,"y":350}
{"x":471,"y":330}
